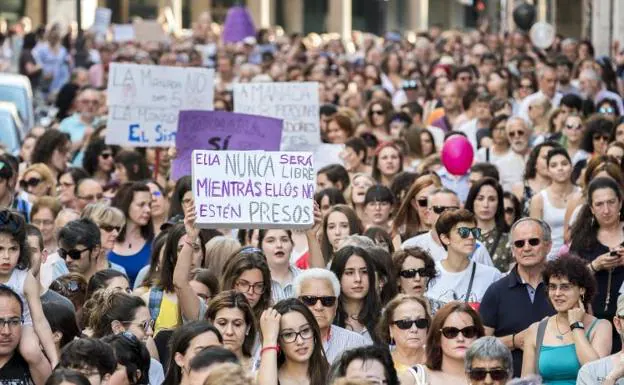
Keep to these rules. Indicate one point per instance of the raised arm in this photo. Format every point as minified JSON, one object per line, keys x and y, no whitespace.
{"x":268,"y":374}
{"x":187,"y":299}
{"x":314,"y":247}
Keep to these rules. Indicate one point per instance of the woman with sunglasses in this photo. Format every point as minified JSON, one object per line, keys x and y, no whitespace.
{"x":411,"y":218}
{"x":488,"y":357}
{"x":292,"y":349}
{"x":536,"y":176}
{"x":512,"y":208}
{"x":485,"y":200}
{"x":99,"y":161}
{"x":387,"y":163}
{"x":404,"y":325}
{"x":38,"y":181}
{"x":598,"y":236}
{"x":556,"y":347}
{"x":230,"y":312}
{"x":597,"y":135}
{"x":454,"y":328}
{"x":573,"y":130}
{"x":414,"y":269}
{"x":460,"y":278}
{"x":550,"y":204}
{"x":378,"y":118}
{"x":110,"y":221}
{"x":358,"y":304}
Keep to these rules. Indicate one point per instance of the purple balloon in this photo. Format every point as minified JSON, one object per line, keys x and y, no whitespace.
{"x":457,"y":155}
{"x":238,"y":25}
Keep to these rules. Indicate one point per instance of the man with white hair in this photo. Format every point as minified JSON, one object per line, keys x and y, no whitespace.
{"x":593,"y":88}
{"x":319,"y":290}
{"x":547,"y":84}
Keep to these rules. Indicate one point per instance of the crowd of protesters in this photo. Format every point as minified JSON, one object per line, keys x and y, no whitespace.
{"x":411,"y":274}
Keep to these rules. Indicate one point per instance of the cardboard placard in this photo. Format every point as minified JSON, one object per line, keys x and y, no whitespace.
{"x":144,"y":102}
{"x":253,"y":189}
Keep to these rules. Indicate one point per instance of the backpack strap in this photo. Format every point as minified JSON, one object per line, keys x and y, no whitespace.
{"x":155,"y":298}
{"x":539,"y":340}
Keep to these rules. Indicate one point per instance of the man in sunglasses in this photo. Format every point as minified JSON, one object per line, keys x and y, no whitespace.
{"x":608,"y":370}
{"x":440,"y":201}
{"x":79,"y":245}
{"x":319,"y":289}
{"x":513,"y":303}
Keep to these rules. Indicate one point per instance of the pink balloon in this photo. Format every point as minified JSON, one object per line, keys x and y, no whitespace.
{"x":457,"y":155}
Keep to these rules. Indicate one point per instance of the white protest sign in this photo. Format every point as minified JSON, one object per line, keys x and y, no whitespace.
{"x":144,"y":102}
{"x":123,"y":32}
{"x":296,"y":103}
{"x":102,"y":20}
{"x":253,"y":189}
{"x":326,"y":154}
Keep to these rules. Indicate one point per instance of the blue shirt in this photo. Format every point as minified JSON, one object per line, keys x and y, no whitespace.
{"x":55,"y":64}
{"x":460,"y":184}
{"x":133,"y":263}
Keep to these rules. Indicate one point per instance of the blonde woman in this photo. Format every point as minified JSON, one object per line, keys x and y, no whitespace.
{"x":110,"y":220}
{"x":38,"y":181}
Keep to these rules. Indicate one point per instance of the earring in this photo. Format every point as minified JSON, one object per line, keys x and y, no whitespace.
{"x":583,"y":297}
{"x":593,"y":220}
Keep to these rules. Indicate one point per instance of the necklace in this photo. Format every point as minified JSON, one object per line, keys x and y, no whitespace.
{"x":560,"y":336}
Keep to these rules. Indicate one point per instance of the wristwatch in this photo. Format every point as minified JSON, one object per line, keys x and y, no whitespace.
{"x":577,"y":325}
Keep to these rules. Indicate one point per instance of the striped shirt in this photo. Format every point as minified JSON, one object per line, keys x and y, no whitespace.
{"x":341,"y":340}
{"x":279,"y":292}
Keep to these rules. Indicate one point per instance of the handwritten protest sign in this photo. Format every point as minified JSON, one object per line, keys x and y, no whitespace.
{"x":144,"y":102}
{"x":296,"y":103}
{"x":102,"y":20}
{"x":123,"y":33}
{"x":220,"y":130}
{"x":253,"y":189}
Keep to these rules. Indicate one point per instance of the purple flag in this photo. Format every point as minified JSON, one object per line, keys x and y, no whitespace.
{"x":220,"y":130}
{"x":238,"y":25}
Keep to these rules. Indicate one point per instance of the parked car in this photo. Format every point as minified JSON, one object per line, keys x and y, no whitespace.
{"x":16,"y":89}
{"x":11,"y":128}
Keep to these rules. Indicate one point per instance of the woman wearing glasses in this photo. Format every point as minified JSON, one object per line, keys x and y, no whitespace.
{"x":99,"y":160}
{"x":460,"y":278}
{"x":292,"y":349}
{"x":38,"y":181}
{"x":404,"y":325}
{"x":230,"y":312}
{"x":378,"y":119}
{"x":454,"y":329}
{"x":597,"y":135}
{"x":485,"y":200}
{"x":110,"y":221}
{"x":557,"y":347}
{"x":358,"y":305}
{"x":414,"y":269}
{"x":488,"y":357}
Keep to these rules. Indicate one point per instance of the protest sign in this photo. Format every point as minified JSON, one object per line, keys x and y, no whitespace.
{"x":102,"y":20}
{"x":123,"y":33}
{"x":296,"y":103}
{"x":326,"y":154}
{"x":220,"y":130}
{"x":144,"y":102}
{"x":253,"y":189}
{"x":147,"y":31}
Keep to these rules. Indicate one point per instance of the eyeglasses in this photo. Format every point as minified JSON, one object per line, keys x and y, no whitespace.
{"x":146,"y":325}
{"x":606,"y":110}
{"x":244,"y":286}
{"x":561,"y":287}
{"x":464,"y":232}
{"x":601,"y":137}
{"x":377,"y":112}
{"x":513,"y":134}
{"x":479,"y":374}
{"x":453,"y":332}
{"x":32,"y":182}
{"x":156,"y":194}
{"x":532,"y":241}
{"x":12,"y":323}
{"x":290,"y":337}
{"x":422,"y":202}
{"x":510,"y":210}
{"x":411,"y":273}
{"x":110,"y":228}
{"x":574,"y":127}
{"x":106,"y":155}
{"x":73,"y":254}
{"x":91,"y":197}
{"x":42,"y":222}
{"x":440,"y":209}
{"x":405,"y":324}
{"x":90,"y":101}
{"x":311,"y":300}
{"x":526,"y":86}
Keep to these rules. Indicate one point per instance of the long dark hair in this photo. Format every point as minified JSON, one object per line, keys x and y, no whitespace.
{"x":182,"y":186}
{"x":317,"y":366}
{"x":585,"y":229}
{"x":499,"y":217}
{"x":371,"y":307}
{"x":232,"y":299}
{"x":123,"y":199}
{"x":46,"y":144}
{"x":14,"y":225}
{"x":170,"y":257}
{"x":530,"y":170}
{"x":355,"y":227}
{"x":92,"y":153}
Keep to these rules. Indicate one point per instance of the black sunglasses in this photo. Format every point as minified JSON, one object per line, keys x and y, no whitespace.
{"x":73,"y":254}
{"x":32,"y":182}
{"x":452,"y":332}
{"x":110,"y":228}
{"x":411,"y":273}
{"x":440,"y":209}
{"x":311,"y":300}
{"x":532,"y":241}
{"x":106,"y":155}
{"x":405,"y":324}
{"x":422,"y":202}
{"x":464,"y":232}
{"x":479,"y":374}
{"x":603,"y":137}
{"x":377,"y":112}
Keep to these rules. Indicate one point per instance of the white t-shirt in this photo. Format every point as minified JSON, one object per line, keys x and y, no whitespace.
{"x":510,"y":169}
{"x":470,"y":129}
{"x":447,"y":286}
{"x":426,"y":242}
